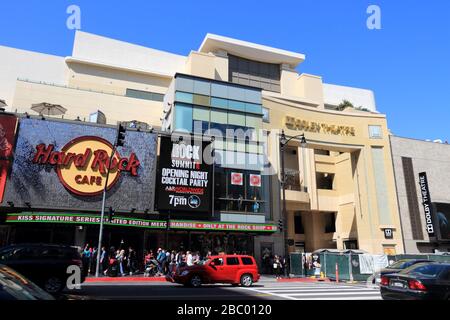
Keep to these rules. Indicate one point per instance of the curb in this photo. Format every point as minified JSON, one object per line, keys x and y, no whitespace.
{"x":126,"y":279}
{"x":302,"y":280}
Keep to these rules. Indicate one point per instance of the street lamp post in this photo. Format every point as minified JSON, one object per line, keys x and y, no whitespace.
{"x":120,"y":139}
{"x":283,"y":143}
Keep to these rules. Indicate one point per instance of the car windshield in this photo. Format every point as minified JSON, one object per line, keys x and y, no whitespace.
{"x":15,"y":286}
{"x":424,"y":270}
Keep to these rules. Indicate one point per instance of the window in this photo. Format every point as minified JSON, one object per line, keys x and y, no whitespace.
{"x":219,"y":103}
{"x":183,"y":117}
{"x":218,"y":261}
{"x":253,"y":108}
{"x":236,"y":105}
{"x":146,"y":95}
{"x":350,"y":244}
{"x":322,"y":152}
{"x":247,"y":261}
{"x":201,"y":100}
{"x":184,"y":97}
{"x":240,"y":190}
{"x":253,"y":121}
{"x":254,"y":73}
{"x":232,"y":261}
{"x":375,"y":132}
{"x":298,"y":223}
{"x":266,"y":114}
{"x":428,"y":270}
{"x":325,"y":180}
{"x":330,"y":222}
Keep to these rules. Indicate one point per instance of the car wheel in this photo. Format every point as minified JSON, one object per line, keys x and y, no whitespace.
{"x":195,"y":281}
{"x":53,"y":285}
{"x":246,"y":280}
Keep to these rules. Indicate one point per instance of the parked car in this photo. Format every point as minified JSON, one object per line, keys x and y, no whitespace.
{"x":397,"y":266}
{"x":14,"y":286}
{"x":422,"y":281}
{"x":46,"y":265}
{"x":233,"y":269}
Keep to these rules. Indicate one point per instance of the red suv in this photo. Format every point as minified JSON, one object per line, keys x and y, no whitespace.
{"x":234,"y":269}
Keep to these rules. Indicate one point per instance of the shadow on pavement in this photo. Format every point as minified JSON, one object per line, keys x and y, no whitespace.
{"x":165,"y":292}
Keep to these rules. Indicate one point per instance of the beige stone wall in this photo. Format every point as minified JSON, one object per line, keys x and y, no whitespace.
{"x":354,"y":197}
{"x":81,"y":103}
{"x":114,"y":81}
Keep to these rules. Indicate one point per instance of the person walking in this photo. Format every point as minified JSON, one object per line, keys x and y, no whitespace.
{"x":131,"y":262}
{"x":317,"y":268}
{"x":277,"y":266}
{"x":85,"y":259}
{"x":189,"y":259}
{"x":161,"y":257}
{"x":121,"y":258}
{"x":93,"y":260}
{"x":103,"y":260}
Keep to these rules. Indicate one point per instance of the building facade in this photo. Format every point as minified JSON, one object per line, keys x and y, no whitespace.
{"x":422,"y":175}
{"x":340,"y":188}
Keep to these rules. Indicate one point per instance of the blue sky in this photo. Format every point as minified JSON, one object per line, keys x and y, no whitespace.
{"x":406,"y":63}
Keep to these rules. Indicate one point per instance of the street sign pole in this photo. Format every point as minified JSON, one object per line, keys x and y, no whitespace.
{"x":102,"y":216}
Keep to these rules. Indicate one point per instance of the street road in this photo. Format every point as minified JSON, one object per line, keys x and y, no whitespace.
{"x":264,"y":290}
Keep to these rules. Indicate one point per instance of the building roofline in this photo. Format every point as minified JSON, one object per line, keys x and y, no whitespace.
{"x":250,"y":50}
{"x":116,"y":67}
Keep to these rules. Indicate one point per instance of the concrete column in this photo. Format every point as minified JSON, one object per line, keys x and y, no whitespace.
{"x":80,"y":236}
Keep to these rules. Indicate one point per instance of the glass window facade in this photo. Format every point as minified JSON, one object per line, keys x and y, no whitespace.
{"x":246,"y":196}
{"x":254,"y":73}
{"x":229,"y":110}
{"x":183,"y":117}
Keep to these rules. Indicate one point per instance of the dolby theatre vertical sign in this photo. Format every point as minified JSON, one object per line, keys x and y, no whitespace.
{"x":184,"y":176}
{"x":426,"y":202}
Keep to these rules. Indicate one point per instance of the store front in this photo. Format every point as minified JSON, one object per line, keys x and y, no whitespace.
{"x":140,"y":234}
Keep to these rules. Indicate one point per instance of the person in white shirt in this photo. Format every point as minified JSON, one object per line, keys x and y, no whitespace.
{"x":189,"y":259}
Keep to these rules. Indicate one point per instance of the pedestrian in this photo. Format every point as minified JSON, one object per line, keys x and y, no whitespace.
{"x":195,"y":258}
{"x":161,"y":257}
{"x":85,"y":259}
{"x":103,"y":260}
{"x":173,"y":262}
{"x":93,"y":260}
{"x":131,"y":262}
{"x":189,"y":259}
{"x":276,"y":267}
{"x":121,"y":259}
{"x":317,"y":267}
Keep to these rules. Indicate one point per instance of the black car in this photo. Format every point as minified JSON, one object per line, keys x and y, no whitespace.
{"x":14,"y":286}
{"x":423,"y":281}
{"x":45,"y":265}
{"x":397,"y":266}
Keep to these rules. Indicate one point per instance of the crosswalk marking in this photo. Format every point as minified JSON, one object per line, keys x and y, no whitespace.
{"x":318,"y":291}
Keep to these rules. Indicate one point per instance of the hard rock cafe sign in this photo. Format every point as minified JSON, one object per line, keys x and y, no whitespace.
{"x":318,"y":127}
{"x":82,"y":164}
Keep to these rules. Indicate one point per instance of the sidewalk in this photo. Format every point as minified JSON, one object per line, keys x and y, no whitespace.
{"x":137,"y":278}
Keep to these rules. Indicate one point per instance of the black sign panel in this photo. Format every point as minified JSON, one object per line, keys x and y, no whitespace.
{"x":426,"y":202}
{"x":443,"y":220}
{"x":184,"y":176}
{"x":388,"y":233}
